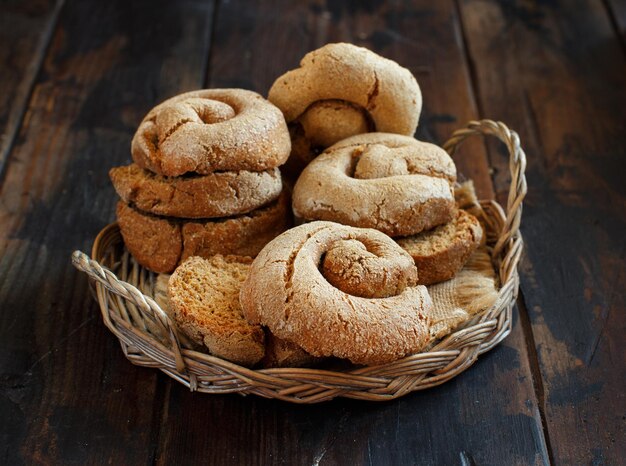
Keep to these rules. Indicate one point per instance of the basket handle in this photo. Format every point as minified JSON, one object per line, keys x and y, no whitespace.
{"x":109,"y":280}
{"x":517,"y":166}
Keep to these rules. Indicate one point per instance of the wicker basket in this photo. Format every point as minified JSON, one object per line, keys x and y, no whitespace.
{"x":148,"y":337}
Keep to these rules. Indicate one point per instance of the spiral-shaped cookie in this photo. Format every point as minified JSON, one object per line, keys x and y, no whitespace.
{"x":389,"y":182}
{"x":213,"y":129}
{"x":339,"y":291}
{"x":341,"y":90}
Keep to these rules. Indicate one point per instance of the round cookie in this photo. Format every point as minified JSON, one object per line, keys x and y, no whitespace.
{"x":389,"y":182}
{"x":160,"y":243}
{"x":440,"y":253}
{"x":209,"y":130}
{"x":341,"y":90}
{"x":204,"y":301}
{"x":287,"y":290}
{"x":218,"y":194}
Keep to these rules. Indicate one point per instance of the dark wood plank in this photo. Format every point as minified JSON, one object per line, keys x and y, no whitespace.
{"x":25,"y":31}
{"x":67,"y":394}
{"x":555,"y":71}
{"x":617,"y":13}
{"x":495,"y":400}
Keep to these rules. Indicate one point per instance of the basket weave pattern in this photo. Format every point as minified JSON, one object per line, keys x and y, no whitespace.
{"x":148,"y":337}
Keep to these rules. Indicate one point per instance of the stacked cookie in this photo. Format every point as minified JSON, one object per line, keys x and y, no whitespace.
{"x":342,"y":90}
{"x":205,"y":179}
{"x":384,"y":217}
{"x":398,"y":185}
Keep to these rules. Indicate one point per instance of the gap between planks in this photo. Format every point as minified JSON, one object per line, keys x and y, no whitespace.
{"x":613,"y":20}
{"x":206,"y":71}
{"x":162,"y":402}
{"x":535,"y":370}
{"x":14,"y":124}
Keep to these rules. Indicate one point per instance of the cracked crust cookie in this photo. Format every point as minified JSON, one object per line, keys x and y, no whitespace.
{"x":218,"y":194}
{"x":441,"y":252}
{"x":341,"y":90}
{"x":339,"y":291}
{"x":393,"y":183}
{"x":161,"y":243}
{"x":211,"y":130}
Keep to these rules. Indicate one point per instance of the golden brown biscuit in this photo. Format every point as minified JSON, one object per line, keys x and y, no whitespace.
{"x":209,"y":130}
{"x":440,"y":253}
{"x":287,"y":291}
{"x":389,"y":182}
{"x":155,"y":242}
{"x":160,"y":243}
{"x":388,"y":92}
{"x":341,"y":90}
{"x":219,"y":194}
{"x":204,"y":300}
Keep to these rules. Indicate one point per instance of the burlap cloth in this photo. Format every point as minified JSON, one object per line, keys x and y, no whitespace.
{"x":474,"y":288}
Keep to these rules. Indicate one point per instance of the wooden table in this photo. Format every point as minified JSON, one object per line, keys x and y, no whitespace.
{"x":77,"y":77}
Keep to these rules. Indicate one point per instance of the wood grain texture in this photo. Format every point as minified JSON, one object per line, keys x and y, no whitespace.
{"x":617,"y":13}
{"x":68,"y":392}
{"x":25,"y":31}
{"x":447,"y":425}
{"x":556,"y":72}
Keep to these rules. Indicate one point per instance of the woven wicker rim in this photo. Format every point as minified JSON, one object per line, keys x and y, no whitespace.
{"x":148,"y":337}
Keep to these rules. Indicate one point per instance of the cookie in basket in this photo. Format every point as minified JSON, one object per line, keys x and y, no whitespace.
{"x":211,"y":130}
{"x":203,"y":300}
{"x":218,"y":194}
{"x":341,"y":90}
{"x":161,"y":243}
{"x":339,"y":291}
{"x":441,"y":252}
{"x":393,"y":183}
{"x":205,"y":179}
